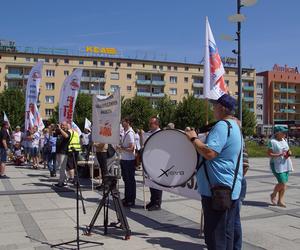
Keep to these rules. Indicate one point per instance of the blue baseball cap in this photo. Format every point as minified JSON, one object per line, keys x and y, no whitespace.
{"x":280,"y":129}
{"x":226,"y":101}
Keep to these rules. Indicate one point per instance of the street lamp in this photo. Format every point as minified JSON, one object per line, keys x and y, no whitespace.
{"x":238,"y":18}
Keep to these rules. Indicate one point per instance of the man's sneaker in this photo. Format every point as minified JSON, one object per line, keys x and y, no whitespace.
{"x":60,"y":185}
{"x":154,"y":207}
{"x":3,"y":176}
{"x":150,"y":204}
{"x":128,"y":204}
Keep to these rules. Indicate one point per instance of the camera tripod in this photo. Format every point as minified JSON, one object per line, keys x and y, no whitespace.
{"x":110,"y":188}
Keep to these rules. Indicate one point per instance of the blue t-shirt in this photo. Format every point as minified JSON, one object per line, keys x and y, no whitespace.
{"x":221,"y":169}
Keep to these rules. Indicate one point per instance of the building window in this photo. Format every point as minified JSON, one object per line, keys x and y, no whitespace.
{"x":49,"y":99}
{"x":154,"y":66}
{"x":49,"y":112}
{"x":118,"y":64}
{"x":128,"y":88}
{"x":35,"y":59}
{"x":15,"y":58}
{"x":227,"y":82}
{"x":66,"y":72}
{"x":186,"y":91}
{"x":50,"y":85}
{"x":66,"y":61}
{"x":102,"y":63}
{"x":175,"y":68}
{"x":81,"y":62}
{"x":173,"y":79}
{"x":128,"y":76}
{"x":113,"y":87}
{"x":114,"y":76}
{"x":169,"y":68}
{"x":186,"y":79}
{"x":143,"y":65}
{"x":95,"y":63}
{"x":161,"y":67}
{"x":54,"y":60}
{"x":46,"y":60}
{"x":50,"y":73}
{"x":28,"y":59}
{"x":186,"y":68}
{"x":173,"y":91}
{"x":129,"y":65}
{"x":111,"y":64}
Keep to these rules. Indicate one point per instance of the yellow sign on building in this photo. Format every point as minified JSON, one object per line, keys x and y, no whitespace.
{"x":97,"y":50}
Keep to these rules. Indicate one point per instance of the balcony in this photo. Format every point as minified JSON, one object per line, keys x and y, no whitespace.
{"x":248,"y":99}
{"x":15,"y":76}
{"x":199,"y":96}
{"x":143,"y":82}
{"x":283,"y":100}
{"x":98,"y":79}
{"x":291,"y":90}
{"x":251,"y":109}
{"x":248,"y":88}
{"x":149,"y":94}
{"x":158,"y":83}
{"x":197,"y":85}
{"x":92,"y":91}
{"x":287,"y":110}
{"x":283,"y":89}
{"x":291,"y":100}
{"x":85,"y":78}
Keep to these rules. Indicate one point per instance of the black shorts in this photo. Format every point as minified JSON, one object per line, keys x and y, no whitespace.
{"x":70,"y":160}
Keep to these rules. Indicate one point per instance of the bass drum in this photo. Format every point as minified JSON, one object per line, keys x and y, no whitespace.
{"x":169,"y":158}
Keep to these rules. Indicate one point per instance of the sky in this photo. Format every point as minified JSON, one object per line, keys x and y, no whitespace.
{"x":157,"y":29}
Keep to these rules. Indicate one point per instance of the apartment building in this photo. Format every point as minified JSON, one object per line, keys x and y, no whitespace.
{"x":102,"y":74}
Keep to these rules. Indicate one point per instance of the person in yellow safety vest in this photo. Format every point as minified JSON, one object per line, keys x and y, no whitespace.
{"x":73,"y":151}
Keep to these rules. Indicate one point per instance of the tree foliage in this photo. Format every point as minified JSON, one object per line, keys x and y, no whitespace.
{"x":139,"y":109}
{"x":249,"y":121}
{"x":12,"y":102}
{"x":83,"y":109}
{"x":165,"y":110}
{"x":192,"y":112}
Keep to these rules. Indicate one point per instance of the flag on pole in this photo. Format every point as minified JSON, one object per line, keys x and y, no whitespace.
{"x":5,"y":118}
{"x":32,"y":91}
{"x":76,"y":128}
{"x":87,"y":124}
{"x":31,"y":120}
{"x":38,"y":121}
{"x":68,"y":96}
{"x":214,"y":84}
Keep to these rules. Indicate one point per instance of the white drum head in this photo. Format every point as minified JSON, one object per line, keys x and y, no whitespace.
{"x":169,"y":158}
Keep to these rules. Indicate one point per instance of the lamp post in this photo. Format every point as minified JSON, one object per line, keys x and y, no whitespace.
{"x":238,"y":18}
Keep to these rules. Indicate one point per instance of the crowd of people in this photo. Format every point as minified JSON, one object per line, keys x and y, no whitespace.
{"x":221,"y":181}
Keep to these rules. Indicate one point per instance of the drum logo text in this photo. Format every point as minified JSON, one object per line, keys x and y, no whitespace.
{"x":169,"y":172}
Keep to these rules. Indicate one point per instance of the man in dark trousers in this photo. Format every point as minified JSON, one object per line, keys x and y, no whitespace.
{"x":4,"y":141}
{"x":156,"y":195}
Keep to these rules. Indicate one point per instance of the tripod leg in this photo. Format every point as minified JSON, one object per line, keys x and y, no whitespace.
{"x":121,"y":214}
{"x":101,"y":204}
{"x":106,"y":216}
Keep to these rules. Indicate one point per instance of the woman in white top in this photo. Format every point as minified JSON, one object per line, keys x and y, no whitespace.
{"x":280,"y":163}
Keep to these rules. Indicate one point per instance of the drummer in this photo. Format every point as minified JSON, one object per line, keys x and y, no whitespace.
{"x":156,"y":195}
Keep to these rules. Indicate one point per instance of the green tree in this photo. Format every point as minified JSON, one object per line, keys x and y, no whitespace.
{"x":192,"y":112}
{"x":83,"y":109}
{"x":165,"y":110}
{"x":249,"y":121}
{"x":12,"y":102}
{"x":54,"y":117}
{"x":139,"y":109}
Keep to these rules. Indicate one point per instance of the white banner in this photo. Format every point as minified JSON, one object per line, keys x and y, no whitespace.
{"x":214,"y":84}
{"x":68,"y":96}
{"x":32,"y":91}
{"x":188,"y":190}
{"x":106,"y":118}
{"x":38,"y":121}
{"x":76,"y":128}
{"x":5,"y":118}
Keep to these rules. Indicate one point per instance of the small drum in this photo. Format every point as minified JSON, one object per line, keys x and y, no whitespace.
{"x":169,"y":158}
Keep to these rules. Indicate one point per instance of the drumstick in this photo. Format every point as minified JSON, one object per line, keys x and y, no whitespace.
{"x":144,"y":193}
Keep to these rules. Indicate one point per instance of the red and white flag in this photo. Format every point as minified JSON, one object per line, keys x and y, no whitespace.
{"x":68,"y":96}
{"x":38,"y":121}
{"x":32,"y":91}
{"x":214,"y":84}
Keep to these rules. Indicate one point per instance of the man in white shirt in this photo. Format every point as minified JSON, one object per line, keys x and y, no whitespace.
{"x":17,"y":136}
{"x":127,"y":163}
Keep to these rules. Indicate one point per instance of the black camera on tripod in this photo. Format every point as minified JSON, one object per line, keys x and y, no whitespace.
{"x":110,"y":182}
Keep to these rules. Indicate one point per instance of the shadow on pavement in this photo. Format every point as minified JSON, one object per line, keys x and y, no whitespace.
{"x":256,"y":203}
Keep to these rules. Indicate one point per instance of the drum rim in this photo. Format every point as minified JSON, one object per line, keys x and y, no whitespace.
{"x":162,"y":185}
